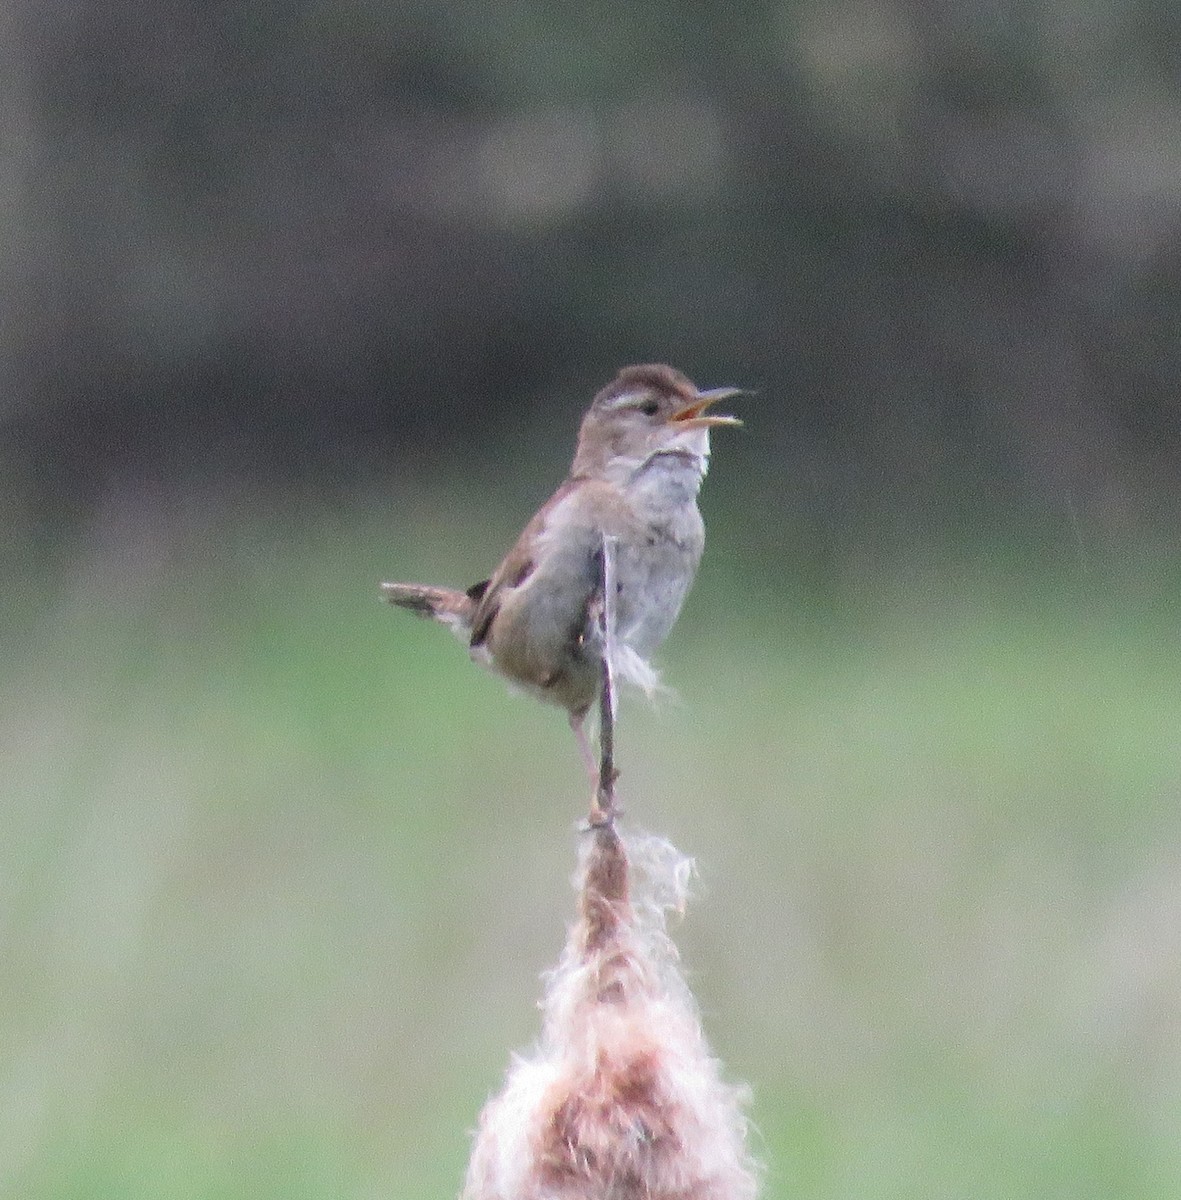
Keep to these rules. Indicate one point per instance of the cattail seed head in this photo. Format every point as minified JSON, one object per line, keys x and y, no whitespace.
{"x":622,"y":1099}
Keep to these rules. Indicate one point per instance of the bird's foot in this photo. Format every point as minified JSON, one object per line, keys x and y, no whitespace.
{"x":604,"y":807}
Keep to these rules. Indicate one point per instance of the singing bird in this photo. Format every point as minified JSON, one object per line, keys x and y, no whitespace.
{"x":643,"y":451}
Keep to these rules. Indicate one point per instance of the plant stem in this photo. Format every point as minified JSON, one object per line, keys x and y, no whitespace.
{"x":603,"y":810}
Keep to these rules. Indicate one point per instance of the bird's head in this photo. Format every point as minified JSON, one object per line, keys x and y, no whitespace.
{"x":646,"y":410}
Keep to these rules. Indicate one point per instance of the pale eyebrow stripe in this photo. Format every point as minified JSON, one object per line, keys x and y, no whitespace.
{"x":626,"y":398}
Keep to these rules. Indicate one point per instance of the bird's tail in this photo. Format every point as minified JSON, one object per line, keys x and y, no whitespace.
{"x":450,"y":607}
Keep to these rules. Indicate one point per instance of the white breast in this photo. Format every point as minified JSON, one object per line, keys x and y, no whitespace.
{"x":656,"y":572}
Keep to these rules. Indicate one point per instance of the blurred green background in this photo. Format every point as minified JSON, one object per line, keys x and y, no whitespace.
{"x":299,"y":296}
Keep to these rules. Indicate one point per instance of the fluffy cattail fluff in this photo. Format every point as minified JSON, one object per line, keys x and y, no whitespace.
{"x":622,"y":1099}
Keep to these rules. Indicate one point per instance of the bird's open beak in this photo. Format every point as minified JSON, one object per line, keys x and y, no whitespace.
{"x":694,"y":416}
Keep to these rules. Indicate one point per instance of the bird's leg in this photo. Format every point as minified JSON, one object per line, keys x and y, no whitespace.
{"x":584,"y":746}
{"x":603,"y":810}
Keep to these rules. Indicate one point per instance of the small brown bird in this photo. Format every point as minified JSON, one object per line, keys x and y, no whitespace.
{"x":643,"y":450}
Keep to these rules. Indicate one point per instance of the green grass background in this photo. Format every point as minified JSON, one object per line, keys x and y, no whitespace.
{"x":279,"y":869}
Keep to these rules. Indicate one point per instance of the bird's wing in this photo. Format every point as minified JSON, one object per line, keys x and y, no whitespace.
{"x":521,"y":561}
{"x":585,"y":509}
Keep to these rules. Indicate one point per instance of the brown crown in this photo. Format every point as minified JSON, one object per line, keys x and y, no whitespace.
{"x":656,"y":377}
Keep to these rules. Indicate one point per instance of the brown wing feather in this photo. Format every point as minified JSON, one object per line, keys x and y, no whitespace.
{"x":513,"y":571}
{"x":516,"y":566}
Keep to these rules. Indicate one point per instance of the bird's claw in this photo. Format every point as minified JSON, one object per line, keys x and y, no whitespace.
{"x":604,"y":808}
{"x":600,"y":818}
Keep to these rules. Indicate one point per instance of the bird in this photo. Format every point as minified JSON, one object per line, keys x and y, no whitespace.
{"x":642,"y":454}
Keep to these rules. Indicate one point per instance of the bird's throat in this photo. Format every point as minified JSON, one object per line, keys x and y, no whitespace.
{"x":668,"y":479}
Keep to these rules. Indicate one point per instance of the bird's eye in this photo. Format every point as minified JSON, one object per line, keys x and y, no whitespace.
{"x":649,"y":408}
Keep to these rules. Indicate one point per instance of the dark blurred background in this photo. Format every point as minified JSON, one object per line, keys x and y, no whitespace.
{"x":297,"y":296}
{"x":292,"y":241}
